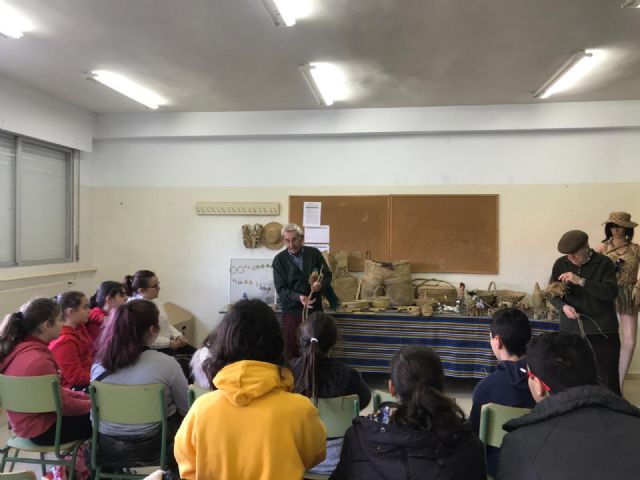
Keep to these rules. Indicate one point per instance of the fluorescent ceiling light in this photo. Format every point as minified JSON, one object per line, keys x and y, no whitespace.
{"x":286,"y":12}
{"x":573,"y":70}
{"x":126,"y":87}
{"x":326,"y":82}
{"x":631,"y":4}
{"x":12,"y":23}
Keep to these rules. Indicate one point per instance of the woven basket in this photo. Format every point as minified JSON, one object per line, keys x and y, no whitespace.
{"x":509,"y":296}
{"x":380,"y":301}
{"x":488,"y":296}
{"x":355,"y":305}
{"x":431,"y":291}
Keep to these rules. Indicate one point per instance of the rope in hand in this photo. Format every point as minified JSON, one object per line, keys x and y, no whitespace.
{"x":582,"y":332}
{"x":305,"y":308}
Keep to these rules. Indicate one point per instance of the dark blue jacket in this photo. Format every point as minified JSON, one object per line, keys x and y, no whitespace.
{"x":509,"y":386}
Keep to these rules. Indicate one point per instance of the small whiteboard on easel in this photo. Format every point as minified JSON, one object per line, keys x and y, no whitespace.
{"x":251,"y":278}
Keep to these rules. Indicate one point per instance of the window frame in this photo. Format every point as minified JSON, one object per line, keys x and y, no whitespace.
{"x":71,"y":211}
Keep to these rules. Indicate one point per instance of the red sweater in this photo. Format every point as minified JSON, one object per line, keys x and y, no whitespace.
{"x":31,"y":358}
{"x":94,"y":324}
{"x":73,"y":353}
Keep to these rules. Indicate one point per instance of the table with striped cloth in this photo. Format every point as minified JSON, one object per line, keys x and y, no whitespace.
{"x":367,"y":341}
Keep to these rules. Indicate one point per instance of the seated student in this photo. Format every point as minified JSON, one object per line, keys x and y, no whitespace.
{"x":73,"y":349}
{"x":24,"y":337}
{"x":510,"y":332}
{"x":198,"y":374}
{"x":579,"y":429}
{"x":108,"y":296}
{"x":319,"y":376}
{"x":252,"y":426}
{"x":123,"y":358}
{"x":144,"y":284}
{"x":423,"y":436}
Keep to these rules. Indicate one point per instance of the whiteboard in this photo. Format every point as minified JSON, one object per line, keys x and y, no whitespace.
{"x":253,"y":278}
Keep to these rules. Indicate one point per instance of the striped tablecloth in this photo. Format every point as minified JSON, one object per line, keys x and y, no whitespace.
{"x":368,"y":341}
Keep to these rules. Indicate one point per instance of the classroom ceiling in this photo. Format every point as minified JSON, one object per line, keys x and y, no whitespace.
{"x":226,"y":55}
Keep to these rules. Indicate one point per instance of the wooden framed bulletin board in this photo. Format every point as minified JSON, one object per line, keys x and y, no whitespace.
{"x":436,"y":233}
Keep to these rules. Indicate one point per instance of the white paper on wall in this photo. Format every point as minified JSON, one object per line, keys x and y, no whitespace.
{"x":311,"y":213}
{"x":319,"y":234}
{"x":251,"y":278}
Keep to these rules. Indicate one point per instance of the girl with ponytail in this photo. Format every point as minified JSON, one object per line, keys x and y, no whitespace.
{"x":317,"y":375}
{"x":423,"y":435}
{"x":108,"y":297}
{"x":24,"y":336}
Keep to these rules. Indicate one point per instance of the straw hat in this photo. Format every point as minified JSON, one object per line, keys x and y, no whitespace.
{"x":622,"y":219}
{"x":272,"y":236}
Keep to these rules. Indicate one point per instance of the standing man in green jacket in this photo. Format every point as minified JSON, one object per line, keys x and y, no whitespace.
{"x":294,"y":270}
{"x":587,"y":307}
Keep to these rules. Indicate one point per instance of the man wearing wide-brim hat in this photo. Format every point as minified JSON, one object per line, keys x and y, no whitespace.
{"x":587,"y":307}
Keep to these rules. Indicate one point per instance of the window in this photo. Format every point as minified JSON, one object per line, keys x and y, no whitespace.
{"x":36,"y":202}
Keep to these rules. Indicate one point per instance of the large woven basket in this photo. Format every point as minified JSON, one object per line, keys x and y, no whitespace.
{"x":488,"y":296}
{"x":509,"y":296}
{"x":432,"y":290}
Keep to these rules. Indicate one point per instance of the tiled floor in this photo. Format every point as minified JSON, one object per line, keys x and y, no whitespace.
{"x":461,"y":389}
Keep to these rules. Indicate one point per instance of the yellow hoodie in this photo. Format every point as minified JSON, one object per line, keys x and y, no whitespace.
{"x":251,"y":428}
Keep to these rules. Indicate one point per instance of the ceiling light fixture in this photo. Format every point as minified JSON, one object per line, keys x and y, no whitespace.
{"x":286,"y":12}
{"x":631,"y":4}
{"x":326,"y":82}
{"x":126,"y":87}
{"x":575,"y":68}
{"x":12,"y":23}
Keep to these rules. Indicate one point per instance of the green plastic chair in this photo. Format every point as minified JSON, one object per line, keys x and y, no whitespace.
{"x":18,"y":476}
{"x":492,"y":418}
{"x":195,"y":392}
{"x":40,"y":394}
{"x":380,"y":396}
{"x":129,"y":405}
{"x":337,"y":414}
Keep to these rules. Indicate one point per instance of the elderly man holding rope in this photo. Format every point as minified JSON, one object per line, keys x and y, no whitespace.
{"x":300,"y":275}
{"x":586,"y":305}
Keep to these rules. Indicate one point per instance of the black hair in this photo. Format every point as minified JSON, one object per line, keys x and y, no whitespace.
{"x":140,"y":279}
{"x":249,"y":331}
{"x":418,"y":378}
{"x":27,"y":321}
{"x":317,"y":335}
{"x":70,"y":299}
{"x":514,"y":329}
{"x":628,"y":231}
{"x":562,"y":360}
{"x":105,"y":290}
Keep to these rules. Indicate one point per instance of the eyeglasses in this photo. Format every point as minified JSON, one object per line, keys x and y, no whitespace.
{"x":532,"y":376}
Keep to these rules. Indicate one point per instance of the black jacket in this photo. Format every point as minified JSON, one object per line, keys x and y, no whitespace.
{"x":376,"y":451}
{"x":335,"y":379}
{"x":595,"y":299}
{"x":290,"y":282}
{"x":583,"y":433}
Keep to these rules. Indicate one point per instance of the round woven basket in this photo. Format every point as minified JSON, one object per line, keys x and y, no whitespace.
{"x":432,"y":290}
{"x":380,"y":301}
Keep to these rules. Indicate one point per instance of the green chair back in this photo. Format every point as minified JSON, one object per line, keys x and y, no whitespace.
{"x":195,"y":392}
{"x":380,"y":396}
{"x":18,"y":476}
{"x":129,"y":405}
{"x":39,"y":394}
{"x":492,"y":417}
{"x":338,"y":413}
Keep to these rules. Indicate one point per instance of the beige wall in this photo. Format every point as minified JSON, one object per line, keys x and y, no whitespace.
{"x":158,"y":228}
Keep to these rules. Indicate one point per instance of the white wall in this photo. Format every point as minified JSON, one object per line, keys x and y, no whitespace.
{"x":146,"y":188}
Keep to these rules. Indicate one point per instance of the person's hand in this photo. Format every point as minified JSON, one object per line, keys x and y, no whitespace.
{"x":570,"y":312}
{"x":316,"y":286}
{"x":181,"y":341}
{"x":304,"y":300}
{"x":569,"y":277}
{"x":174,"y":344}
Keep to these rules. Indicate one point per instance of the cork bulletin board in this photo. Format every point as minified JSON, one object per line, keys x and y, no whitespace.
{"x":436,"y":233}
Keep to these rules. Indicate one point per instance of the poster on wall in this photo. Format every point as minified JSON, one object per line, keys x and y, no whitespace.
{"x":251,"y":278}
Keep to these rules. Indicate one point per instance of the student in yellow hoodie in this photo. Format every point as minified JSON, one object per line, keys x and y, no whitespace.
{"x":251,"y":427}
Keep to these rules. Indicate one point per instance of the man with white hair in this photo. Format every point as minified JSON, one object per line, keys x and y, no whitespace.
{"x":295,"y":275}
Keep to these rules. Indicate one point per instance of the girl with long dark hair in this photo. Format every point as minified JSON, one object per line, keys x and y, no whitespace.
{"x":24,"y":336}
{"x":424,"y":435}
{"x":108,"y":297}
{"x":317,"y":375}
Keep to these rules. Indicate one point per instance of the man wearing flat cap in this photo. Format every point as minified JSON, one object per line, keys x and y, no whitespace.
{"x":587,"y":306}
